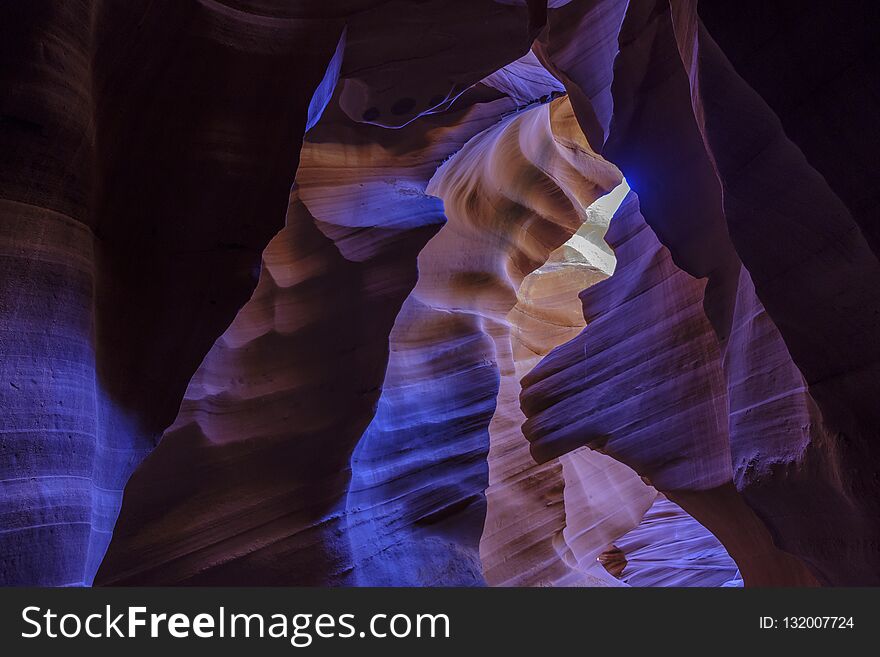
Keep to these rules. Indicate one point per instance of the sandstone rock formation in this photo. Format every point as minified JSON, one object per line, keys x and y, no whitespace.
{"x":773,"y":416}
{"x":139,"y":186}
{"x":289,"y":388}
{"x":663,"y":551}
{"x":319,"y":286}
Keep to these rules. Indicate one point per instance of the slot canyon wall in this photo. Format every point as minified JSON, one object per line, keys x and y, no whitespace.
{"x":439,"y":292}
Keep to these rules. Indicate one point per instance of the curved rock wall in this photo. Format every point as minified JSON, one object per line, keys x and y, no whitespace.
{"x":661,"y":551}
{"x":288,"y":390}
{"x":139,"y":186}
{"x":781,"y":430}
{"x":821,"y":292}
{"x":152,"y":149}
{"x":512,"y":194}
{"x":369,"y":412}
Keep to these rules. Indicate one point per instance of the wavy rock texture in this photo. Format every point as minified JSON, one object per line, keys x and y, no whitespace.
{"x":756,"y":364}
{"x":670,"y":548}
{"x":144,"y":182}
{"x":616,"y":391}
{"x":532,"y":509}
{"x":604,"y":499}
{"x":139,"y":187}
{"x":512,"y":195}
{"x":601,"y":389}
{"x":290,"y":387}
{"x":579,"y":46}
{"x":815,"y":483}
{"x":523,"y":536}
{"x":369,"y":412}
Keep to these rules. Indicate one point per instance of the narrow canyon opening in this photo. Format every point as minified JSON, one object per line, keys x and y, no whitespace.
{"x":357,"y":293}
{"x":444,"y":489}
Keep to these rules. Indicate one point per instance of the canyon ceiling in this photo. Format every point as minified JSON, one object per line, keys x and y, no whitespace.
{"x":439,"y":292}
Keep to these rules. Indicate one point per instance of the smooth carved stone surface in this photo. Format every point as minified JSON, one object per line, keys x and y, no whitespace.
{"x":369,"y":411}
{"x":258,"y":406}
{"x":512,"y":195}
{"x":579,"y":46}
{"x":522,"y":542}
{"x":236,"y":417}
{"x":415,"y":507}
{"x":670,"y":548}
{"x":821,"y":293}
{"x":290,"y":388}
{"x":604,"y":499}
{"x":670,"y":428}
{"x":781,"y":367}
{"x":601,"y":389}
{"x":534,"y":510}
{"x":139,"y":187}
{"x":177,"y":165}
